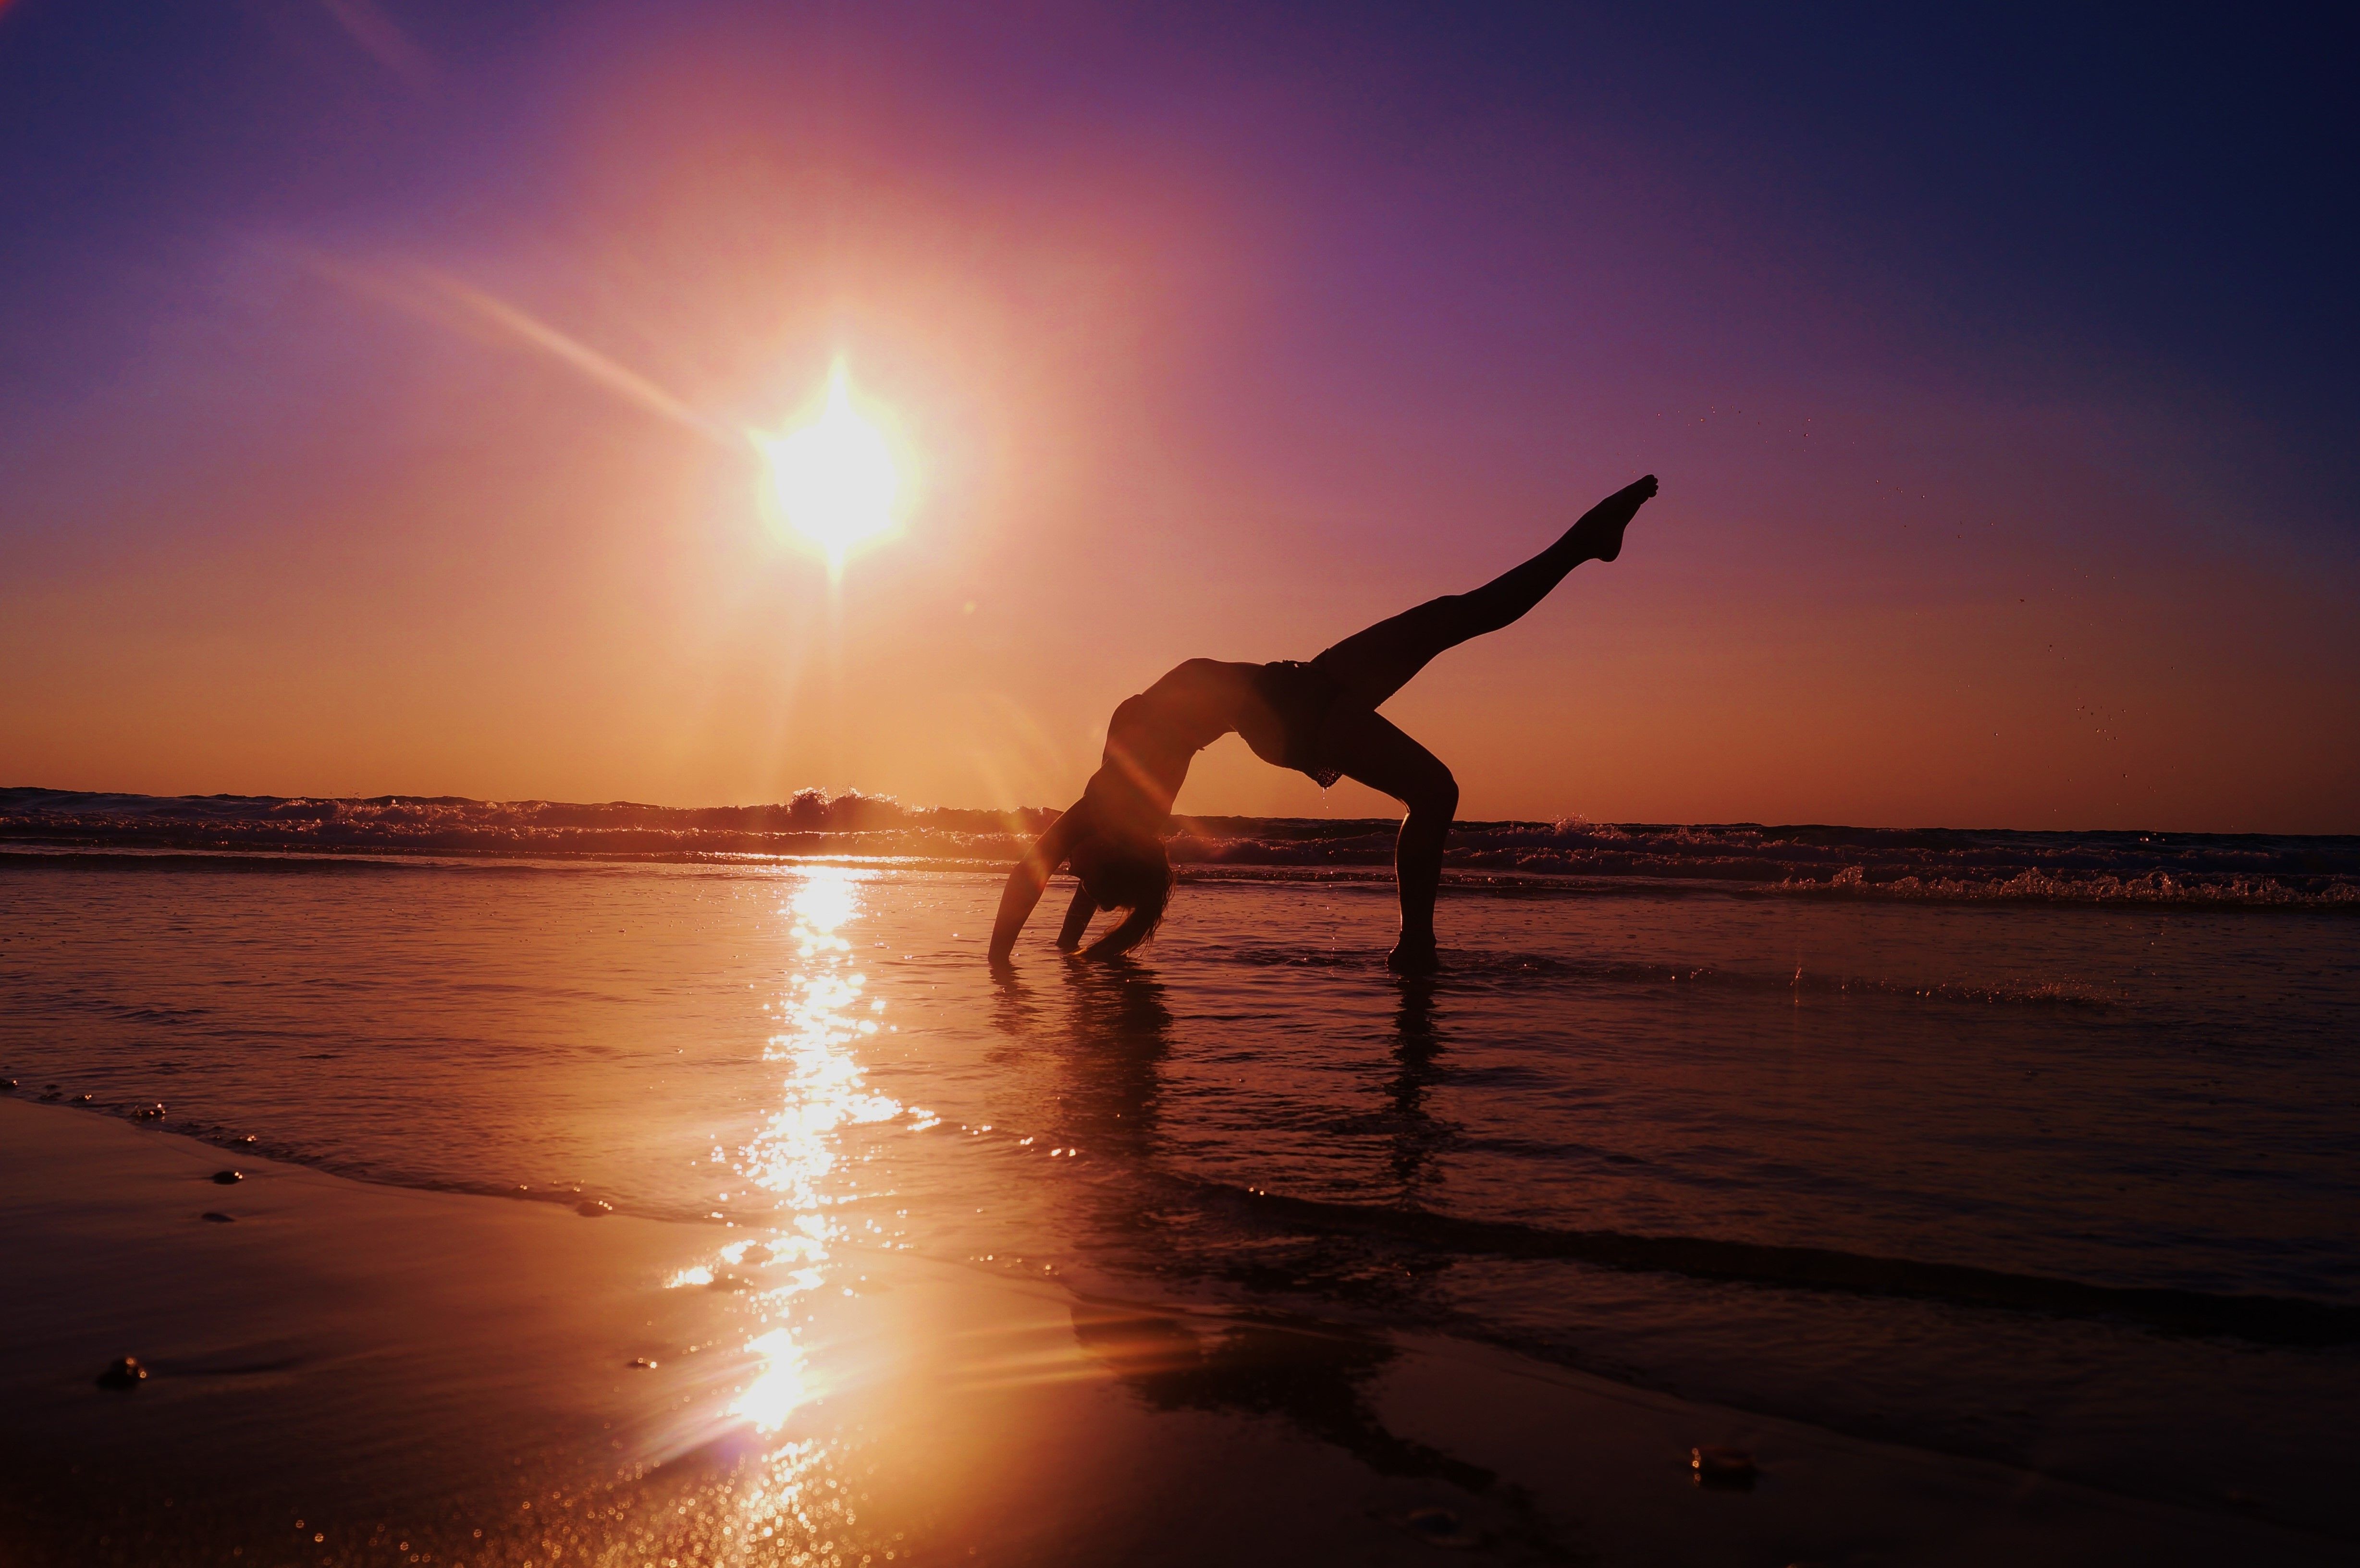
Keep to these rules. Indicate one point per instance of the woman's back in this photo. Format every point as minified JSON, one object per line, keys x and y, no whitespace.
{"x":1154,"y":736}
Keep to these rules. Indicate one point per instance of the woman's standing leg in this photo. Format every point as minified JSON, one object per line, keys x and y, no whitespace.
{"x":1371,"y":665}
{"x":1379,"y":754}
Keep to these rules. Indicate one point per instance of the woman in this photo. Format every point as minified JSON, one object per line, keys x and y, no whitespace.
{"x":1319,"y":717}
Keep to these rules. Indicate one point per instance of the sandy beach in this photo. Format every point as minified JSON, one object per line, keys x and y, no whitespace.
{"x":346,"y":1373}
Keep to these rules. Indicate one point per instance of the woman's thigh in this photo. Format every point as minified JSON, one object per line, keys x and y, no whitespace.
{"x":1370,"y":666}
{"x":1378,"y":753}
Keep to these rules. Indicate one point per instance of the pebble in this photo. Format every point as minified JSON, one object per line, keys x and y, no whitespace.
{"x":1442,"y":1527}
{"x":6,"y":1083}
{"x":592,"y":1208}
{"x":127,"y":1373}
{"x":150,"y":1113}
{"x":83,"y":1099}
{"x":218,"y":1218}
{"x":1730,"y":1467}
{"x":229,"y":1177}
{"x":645,"y":1364}
{"x":249,"y":1141}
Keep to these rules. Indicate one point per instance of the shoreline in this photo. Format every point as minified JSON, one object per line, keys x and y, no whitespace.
{"x":359,"y":1357}
{"x":1373,"y":873}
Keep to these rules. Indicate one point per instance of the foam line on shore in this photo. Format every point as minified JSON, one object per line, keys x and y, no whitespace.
{"x":2285,"y":1320}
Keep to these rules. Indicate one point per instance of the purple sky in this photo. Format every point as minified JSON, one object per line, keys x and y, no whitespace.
{"x":1997,"y":369}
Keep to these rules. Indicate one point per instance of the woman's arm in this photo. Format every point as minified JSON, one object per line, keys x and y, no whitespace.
{"x":1077,"y":919}
{"x":1030,"y":876}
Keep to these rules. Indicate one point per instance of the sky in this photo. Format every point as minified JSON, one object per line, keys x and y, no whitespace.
{"x":377,"y":382}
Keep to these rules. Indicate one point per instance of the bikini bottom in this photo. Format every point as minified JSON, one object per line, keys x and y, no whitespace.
{"x":1299,"y":697}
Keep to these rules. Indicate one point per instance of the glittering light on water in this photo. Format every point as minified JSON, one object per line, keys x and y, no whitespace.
{"x":797,"y":1155}
{"x":779,"y":1388}
{"x":825,"y":1088}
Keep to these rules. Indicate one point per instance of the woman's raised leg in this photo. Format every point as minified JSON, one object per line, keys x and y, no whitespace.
{"x":1371,"y":665}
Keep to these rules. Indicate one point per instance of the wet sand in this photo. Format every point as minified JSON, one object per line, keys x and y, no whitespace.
{"x":345,"y":1372}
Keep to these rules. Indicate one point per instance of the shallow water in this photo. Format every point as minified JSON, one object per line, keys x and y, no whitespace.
{"x":2068,"y":1184}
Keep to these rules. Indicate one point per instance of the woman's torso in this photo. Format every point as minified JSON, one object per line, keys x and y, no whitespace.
{"x":1154,"y":736}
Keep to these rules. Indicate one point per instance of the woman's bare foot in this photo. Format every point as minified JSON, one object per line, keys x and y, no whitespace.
{"x":1599,"y":532}
{"x":1414,"y":958}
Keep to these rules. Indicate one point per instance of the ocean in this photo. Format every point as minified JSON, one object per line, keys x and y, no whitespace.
{"x":2035,"y":1147}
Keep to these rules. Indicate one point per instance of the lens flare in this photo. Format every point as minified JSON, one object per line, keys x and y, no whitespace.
{"x":836,"y":477}
{"x":778,"y":1388}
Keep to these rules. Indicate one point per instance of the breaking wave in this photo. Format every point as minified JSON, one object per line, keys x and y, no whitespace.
{"x":1810,"y":860}
{"x":810,"y":824}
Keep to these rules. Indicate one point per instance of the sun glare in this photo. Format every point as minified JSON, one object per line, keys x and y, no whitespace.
{"x":836,"y":476}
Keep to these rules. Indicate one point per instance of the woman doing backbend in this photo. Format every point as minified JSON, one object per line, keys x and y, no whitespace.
{"x":1319,"y":717}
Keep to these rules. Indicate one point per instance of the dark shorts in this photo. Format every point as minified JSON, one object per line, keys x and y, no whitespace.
{"x":1299,"y":697}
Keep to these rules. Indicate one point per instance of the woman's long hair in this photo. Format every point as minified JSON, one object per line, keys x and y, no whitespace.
{"x":1127,"y":873}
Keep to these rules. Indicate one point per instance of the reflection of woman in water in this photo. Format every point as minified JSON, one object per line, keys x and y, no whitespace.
{"x":1319,"y":717}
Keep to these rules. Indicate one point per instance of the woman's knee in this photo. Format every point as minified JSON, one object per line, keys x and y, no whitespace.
{"x":1436,"y":797}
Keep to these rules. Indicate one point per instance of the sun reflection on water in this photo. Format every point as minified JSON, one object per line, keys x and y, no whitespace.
{"x":788,"y":1499}
{"x":778,"y":1388}
{"x":796,"y":1152}
{"x":797,"y":1155}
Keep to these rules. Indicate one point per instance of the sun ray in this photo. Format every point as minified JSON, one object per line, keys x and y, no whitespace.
{"x":436,"y":294}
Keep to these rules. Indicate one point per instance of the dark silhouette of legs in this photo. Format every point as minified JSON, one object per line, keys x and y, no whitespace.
{"x":1371,"y":665}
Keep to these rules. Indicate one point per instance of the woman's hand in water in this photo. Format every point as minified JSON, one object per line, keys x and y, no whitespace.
{"x":1077,"y":920}
{"x":1027,"y":879}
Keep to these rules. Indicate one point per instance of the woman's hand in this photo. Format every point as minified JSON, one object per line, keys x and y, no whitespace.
{"x":1077,"y":920}
{"x":1029,"y":876}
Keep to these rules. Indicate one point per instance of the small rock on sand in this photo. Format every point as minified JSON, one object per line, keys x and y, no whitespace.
{"x":1442,"y":1527}
{"x":127,"y":1373}
{"x":643,"y":1362}
{"x":218,"y":1217}
{"x":229,"y":1177}
{"x":1723,"y":1467}
{"x":593,"y":1207}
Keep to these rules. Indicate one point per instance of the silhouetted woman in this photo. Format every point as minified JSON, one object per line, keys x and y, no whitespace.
{"x":1319,"y":717}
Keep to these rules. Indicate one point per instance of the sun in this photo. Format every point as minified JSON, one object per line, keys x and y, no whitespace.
{"x":836,"y":477}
